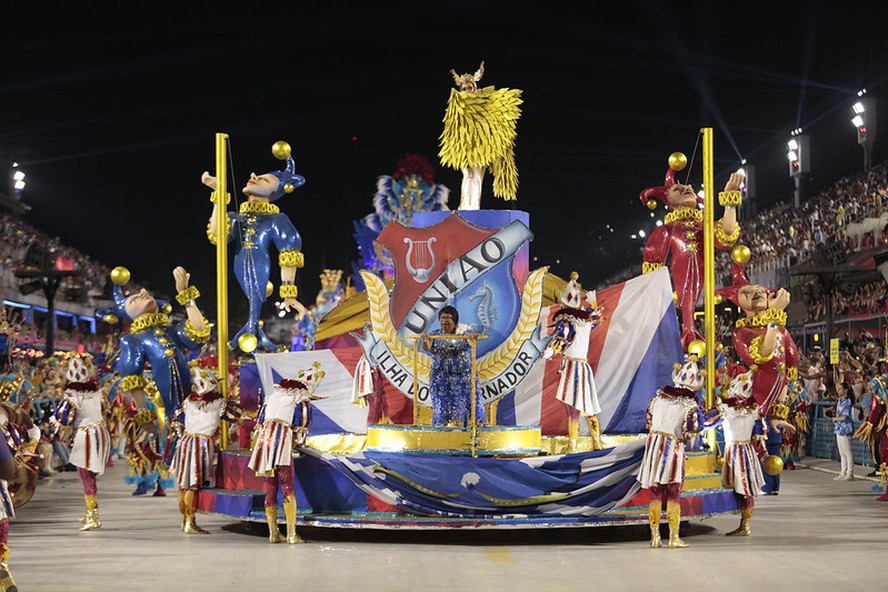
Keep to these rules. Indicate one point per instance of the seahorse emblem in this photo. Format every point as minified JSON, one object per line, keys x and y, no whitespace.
{"x":485,"y":311}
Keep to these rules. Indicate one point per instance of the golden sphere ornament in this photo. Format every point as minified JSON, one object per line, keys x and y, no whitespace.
{"x":677,"y":161}
{"x":120,"y":276}
{"x":697,"y":347}
{"x":167,"y":308}
{"x":247,"y":343}
{"x":772,"y":464}
{"x":269,"y":289}
{"x":281,"y":150}
{"x":741,"y":254}
{"x":718,"y":299}
{"x":289,"y":188}
{"x":110,"y":319}
{"x":652,"y":204}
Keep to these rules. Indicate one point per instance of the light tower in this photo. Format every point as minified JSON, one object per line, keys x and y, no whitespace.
{"x":16,"y":186}
{"x":799,"y":161}
{"x":18,"y":181}
{"x":749,"y":207}
{"x":864,"y":120}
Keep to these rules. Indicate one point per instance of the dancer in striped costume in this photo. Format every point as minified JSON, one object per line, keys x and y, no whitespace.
{"x":196,"y":425}
{"x":82,"y":414}
{"x":573,"y":323}
{"x":672,"y":420}
{"x":282,"y":424}
{"x":744,"y":430}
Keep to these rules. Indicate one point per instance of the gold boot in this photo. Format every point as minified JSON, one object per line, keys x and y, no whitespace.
{"x":290,"y":513}
{"x":183,"y":509}
{"x":673,"y":514}
{"x":271,"y":516}
{"x":573,"y":433}
{"x":594,"y":431}
{"x":7,"y":584}
{"x":90,"y":520}
{"x":190,"y":525}
{"x":655,"y":510}
{"x":743,"y":529}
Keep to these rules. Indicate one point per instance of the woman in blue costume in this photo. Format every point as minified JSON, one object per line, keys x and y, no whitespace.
{"x":259,"y":224}
{"x":450,"y":376}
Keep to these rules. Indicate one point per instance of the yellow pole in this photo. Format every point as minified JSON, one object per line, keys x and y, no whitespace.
{"x":416,"y":382}
{"x":222,"y":198}
{"x":709,"y":266}
{"x":473,"y":374}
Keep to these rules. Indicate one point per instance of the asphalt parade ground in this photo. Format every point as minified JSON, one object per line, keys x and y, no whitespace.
{"x":817,"y":534}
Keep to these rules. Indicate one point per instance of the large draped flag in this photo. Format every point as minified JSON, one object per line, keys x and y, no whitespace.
{"x":583,"y":484}
{"x":631,"y":352}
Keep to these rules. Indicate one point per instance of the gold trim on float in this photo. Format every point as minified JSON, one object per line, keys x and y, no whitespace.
{"x":497,"y":440}
{"x":699,"y":463}
{"x":700,"y":482}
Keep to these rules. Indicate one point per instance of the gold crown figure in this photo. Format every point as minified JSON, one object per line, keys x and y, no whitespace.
{"x":330,"y":279}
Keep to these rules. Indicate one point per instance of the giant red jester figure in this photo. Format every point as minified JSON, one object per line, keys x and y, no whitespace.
{"x":681,"y":236}
{"x":761,"y":340}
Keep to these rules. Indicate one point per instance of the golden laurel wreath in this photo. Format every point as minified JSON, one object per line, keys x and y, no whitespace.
{"x":381,"y":324}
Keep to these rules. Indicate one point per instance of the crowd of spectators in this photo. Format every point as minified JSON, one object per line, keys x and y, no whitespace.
{"x":850,"y":300}
{"x":86,"y":288}
{"x":17,"y":236}
{"x":784,"y":235}
{"x":860,"y":359}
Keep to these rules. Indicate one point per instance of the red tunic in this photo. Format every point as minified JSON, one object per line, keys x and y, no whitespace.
{"x":681,"y":236}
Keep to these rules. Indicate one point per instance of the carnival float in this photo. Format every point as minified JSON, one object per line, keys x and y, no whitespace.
{"x":372,"y":457}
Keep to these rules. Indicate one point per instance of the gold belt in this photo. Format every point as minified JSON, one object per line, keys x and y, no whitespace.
{"x":199,"y":435}
{"x":667,"y":434}
{"x":91,"y":425}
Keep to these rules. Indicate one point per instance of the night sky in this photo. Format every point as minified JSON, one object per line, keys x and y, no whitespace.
{"x":113,"y":115}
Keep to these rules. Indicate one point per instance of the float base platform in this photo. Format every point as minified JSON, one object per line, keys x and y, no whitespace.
{"x":327,"y":499}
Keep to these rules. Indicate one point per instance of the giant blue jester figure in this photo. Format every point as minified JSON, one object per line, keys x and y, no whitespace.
{"x":259,"y":224}
{"x":152,"y":342}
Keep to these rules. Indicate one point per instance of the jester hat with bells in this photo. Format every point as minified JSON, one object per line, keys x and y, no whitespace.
{"x":204,"y":385}
{"x":80,"y":374}
{"x":289,"y":180}
{"x":689,"y":375}
{"x":677,"y":162}
{"x":120,"y":276}
{"x":738,"y":280}
{"x":574,"y":301}
{"x":80,"y":378}
{"x":302,"y":387}
{"x":740,"y":390}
